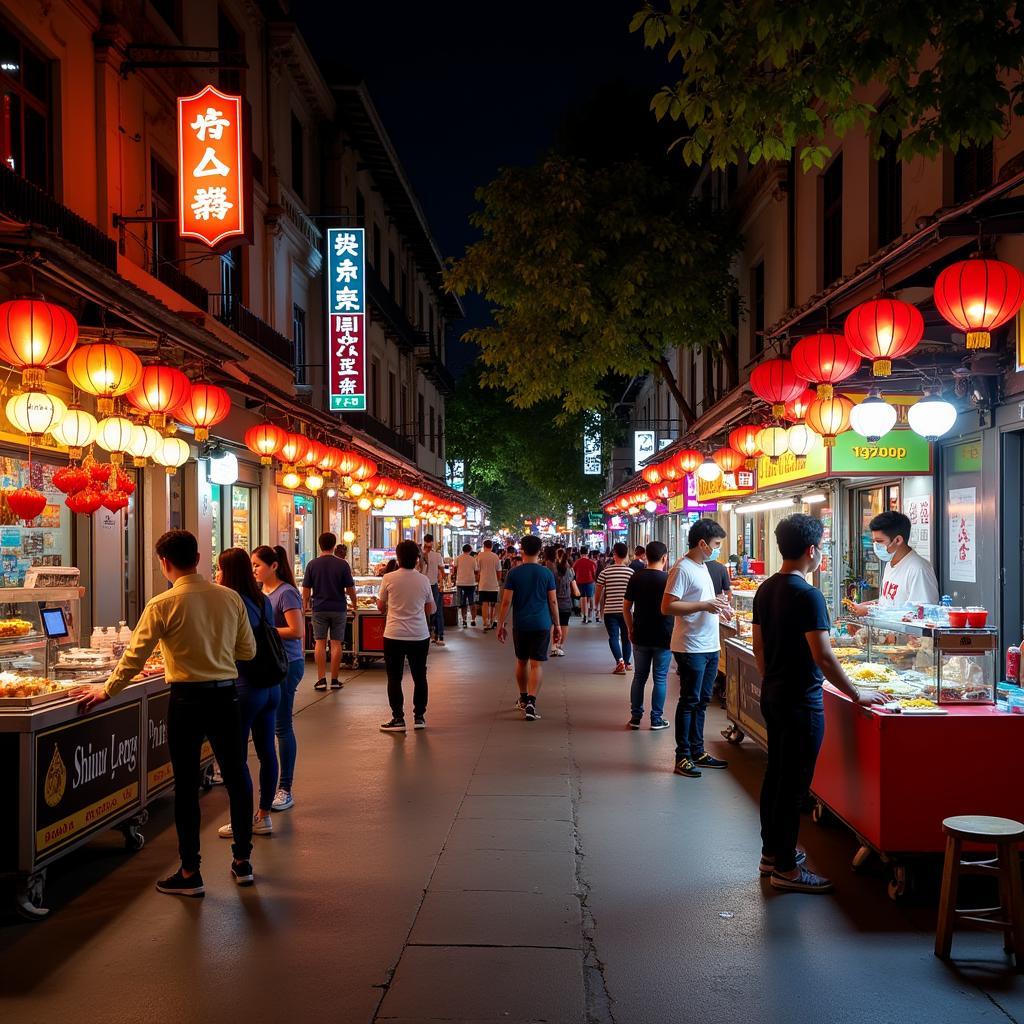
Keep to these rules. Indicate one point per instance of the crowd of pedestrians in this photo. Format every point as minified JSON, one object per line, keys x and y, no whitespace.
{"x":234,"y":657}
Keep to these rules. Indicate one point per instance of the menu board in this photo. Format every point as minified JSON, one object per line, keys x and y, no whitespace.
{"x":48,"y":540}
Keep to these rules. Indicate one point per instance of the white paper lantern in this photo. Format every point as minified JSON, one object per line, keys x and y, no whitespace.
{"x":932,"y":417}
{"x":35,"y":412}
{"x":873,"y":418}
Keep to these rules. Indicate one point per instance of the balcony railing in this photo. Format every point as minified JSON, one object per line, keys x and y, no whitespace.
{"x":23,"y":201}
{"x":171,"y":276}
{"x":396,"y":324}
{"x":428,"y":358}
{"x":382,"y":432}
{"x":230,"y":312}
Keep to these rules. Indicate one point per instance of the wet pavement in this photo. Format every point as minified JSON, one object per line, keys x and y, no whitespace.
{"x":491,"y":869}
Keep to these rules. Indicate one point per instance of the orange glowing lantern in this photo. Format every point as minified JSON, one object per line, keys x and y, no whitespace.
{"x":294,"y":450}
{"x":776,"y":381}
{"x":728,"y":459}
{"x":205,"y":407}
{"x":35,"y":334}
{"x":824,"y":360}
{"x":265,"y":440}
{"x":829,"y":417}
{"x":160,"y":389}
{"x":744,"y":440}
{"x":796,"y":408}
{"x":883,"y":330}
{"x":104,"y":370}
{"x":688,"y":460}
{"x":977,"y":296}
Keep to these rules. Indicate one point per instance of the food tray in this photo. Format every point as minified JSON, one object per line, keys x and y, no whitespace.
{"x":13,"y":703}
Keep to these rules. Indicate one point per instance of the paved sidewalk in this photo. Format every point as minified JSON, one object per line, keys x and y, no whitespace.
{"x":490,"y":869}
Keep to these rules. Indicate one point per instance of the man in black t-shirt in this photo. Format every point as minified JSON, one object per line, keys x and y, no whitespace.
{"x":791,"y":644}
{"x":650,"y":632}
{"x":719,"y":577}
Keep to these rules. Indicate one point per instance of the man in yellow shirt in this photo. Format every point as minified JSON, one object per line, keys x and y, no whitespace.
{"x":203,"y":630}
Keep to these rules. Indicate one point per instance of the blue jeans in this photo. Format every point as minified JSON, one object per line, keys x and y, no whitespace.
{"x":285,"y":733}
{"x":646,"y":659}
{"x":258,"y":707}
{"x":438,"y":623}
{"x":697,"y":674}
{"x":616,"y":626}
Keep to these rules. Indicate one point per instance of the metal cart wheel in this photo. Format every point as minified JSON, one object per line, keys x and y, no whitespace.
{"x":821,"y":815}
{"x":900,"y":883}
{"x":734,"y":735}
{"x":28,"y":897}
{"x":133,"y":838}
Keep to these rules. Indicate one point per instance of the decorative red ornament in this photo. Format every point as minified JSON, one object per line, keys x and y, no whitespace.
{"x":652,"y":474}
{"x":366,"y":469}
{"x":776,"y":381}
{"x":159,"y":390}
{"x":728,"y":459}
{"x":121,"y":481}
{"x":85,"y":501}
{"x":688,"y":460}
{"x":744,"y":440}
{"x":829,"y":417}
{"x":206,"y":406}
{"x":796,"y":409}
{"x":824,"y":359}
{"x":331,"y":459}
{"x":25,"y":502}
{"x":100,"y":472}
{"x":314,"y":453}
{"x":70,"y":479}
{"x":977,"y":296}
{"x":668,"y":470}
{"x":294,"y":449}
{"x":35,"y":334}
{"x":883,"y":330}
{"x":114,"y":500}
{"x":265,"y":440}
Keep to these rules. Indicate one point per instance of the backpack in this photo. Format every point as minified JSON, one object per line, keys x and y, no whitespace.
{"x":563,"y":588}
{"x":270,"y":665}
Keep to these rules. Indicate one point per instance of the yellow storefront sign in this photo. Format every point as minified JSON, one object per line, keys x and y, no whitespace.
{"x":86,"y":818}
{"x":677,"y":503}
{"x":728,"y":485}
{"x":785,"y":469}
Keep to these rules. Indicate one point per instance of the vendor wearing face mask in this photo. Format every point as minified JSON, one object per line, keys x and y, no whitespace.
{"x":908,"y":578}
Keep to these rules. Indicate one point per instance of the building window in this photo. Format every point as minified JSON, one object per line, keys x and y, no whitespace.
{"x":25,"y":103}
{"x":757,"y":308}
{"x":889,"y":172}
{"x":374,"y":386}
{"x":430,"y":322}
{"x":163,"y":188}
{"x":392,"y":408}
{"x":404,"y":411}
{"x":391,"y":272}
{"x":972,"y":171}
{"x":299,"y":343}
{"x":229,"y":39}
{"x":420,"y":319}
{"x":440,"y":437}
{"x":404,"y":293}
{"x":709,"y":380}
{"x":832,"y":222}
{"x":298,"y":158}
{"x":420,"y":425}
{"x":432,"y":436}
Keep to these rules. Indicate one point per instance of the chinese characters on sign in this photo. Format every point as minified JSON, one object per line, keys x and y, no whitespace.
{"x":346,"y":319}
{"x":592,"y":446}
{"x":643,"y":447}
{"x":212,"y":174}
{"x":919,"y":512}
{"x":963,"y":537}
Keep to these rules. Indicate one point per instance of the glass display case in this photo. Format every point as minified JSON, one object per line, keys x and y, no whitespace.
{"x":367,"y":588}
{"x":743,"y":590}
{"x":34,"y":623}
{"x":921,"y":663}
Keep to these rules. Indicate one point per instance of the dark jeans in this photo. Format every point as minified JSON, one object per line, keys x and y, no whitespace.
{"x":618,"y":637}
{"x":438,"y":624}
{"x":648,"y":658}
{"x":259,"y":715}
{"x":196,"y":713}
{"x":794,"y":739}
{"x":395,"y":653}
{"x":283,"y":728}
{"x":697,"y":674}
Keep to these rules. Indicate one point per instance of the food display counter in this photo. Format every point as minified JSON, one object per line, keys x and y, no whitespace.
{"x":366,"y":642}
{"x":73,"y":774}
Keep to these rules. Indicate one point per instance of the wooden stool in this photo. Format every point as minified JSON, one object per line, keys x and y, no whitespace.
{"x":1008,"y":916}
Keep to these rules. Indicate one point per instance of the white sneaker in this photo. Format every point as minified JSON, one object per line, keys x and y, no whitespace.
{"x":559,"y":652}
{"x":282,"y":800}
{"x":260,"y":827}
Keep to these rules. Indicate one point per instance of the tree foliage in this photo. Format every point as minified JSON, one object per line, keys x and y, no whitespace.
{"x":592,"y":271}
{"x":520,"y":462}
{"x":761,"y":77}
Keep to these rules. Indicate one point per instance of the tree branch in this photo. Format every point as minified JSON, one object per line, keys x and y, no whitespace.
{"x":665,"y":371}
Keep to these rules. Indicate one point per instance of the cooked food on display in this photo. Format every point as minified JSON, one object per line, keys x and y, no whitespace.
{"x":870,"y":672}
{"x":899,"y":688}
{"x":917,"y":702}
{"x":847,"y":652}
{"x":15,"y":627}
{"x":13,"y":685}
{"x":742,"y":583}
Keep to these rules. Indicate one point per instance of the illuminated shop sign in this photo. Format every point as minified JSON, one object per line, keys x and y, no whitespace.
{"x":899,"y":451}
{"x":346,"y":319}
{"x":592,"y":445}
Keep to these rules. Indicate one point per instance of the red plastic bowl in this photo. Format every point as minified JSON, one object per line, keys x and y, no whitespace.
{"x":976,"y":620}
{"x":958,"y":619}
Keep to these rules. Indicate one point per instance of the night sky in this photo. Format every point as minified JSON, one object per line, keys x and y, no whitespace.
{"x":467,"y":88}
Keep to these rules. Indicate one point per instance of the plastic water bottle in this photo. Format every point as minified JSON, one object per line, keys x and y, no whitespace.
{"x":946,"y":601}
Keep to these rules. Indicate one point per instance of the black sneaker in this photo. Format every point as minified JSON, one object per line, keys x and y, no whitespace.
{"x":805,"y":881}
{"x":634,"y":722}
{"x":395,"y":725}
{"x":178,"y":885}
{"x":707,"y":761}
{"x":767,"y":865}
{"x":419,"y":722}
{"x":530,"y":712}
{"x":659,"y":723}
{"x":336,"y":684}
{"x":241,"y":872}
{"x":320,"y":684}
{"x":684,"y":766}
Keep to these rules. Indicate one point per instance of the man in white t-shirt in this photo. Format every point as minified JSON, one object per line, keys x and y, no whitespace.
{"x":908,"y":578}
{"x":431,"y":564}
{"x":490,"y":565}
{"x":465,"y":581}
{"x":690,"y":597}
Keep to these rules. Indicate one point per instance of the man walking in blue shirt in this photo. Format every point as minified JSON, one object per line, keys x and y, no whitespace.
{"x":326,"y":583}
{"x":531,"y":593}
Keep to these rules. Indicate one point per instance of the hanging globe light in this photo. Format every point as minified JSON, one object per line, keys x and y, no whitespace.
{"x":265,"y":440}
{"x":932,"y":417}
{"x":104,"y":370}
{"x":364,"y":504}
{"x":801,"y":441}
{"x":159,"y":390}
{"x":379,"y":502}
{"x":355,"y":489}
{"x":172,"y":453}
{"x":35,"y":334}
{"x":977,"y":296}
{"x":143,"y":444}
{"x":709,"y":469}
{"x":35,"y":412}
{"x":314,"y":481}
{"x":651,"y":506}
{"x":773,"y":442}
{"x":76,"y":431}
{"x":114,"y":435}
{"x":829,"y":417}
{"x":291,"y":479}
{"x":873,"y":418}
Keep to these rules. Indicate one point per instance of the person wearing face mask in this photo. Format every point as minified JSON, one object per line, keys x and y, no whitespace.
{"x":907,"y":578}
{"x":690,"y":598}
{"x":794,"y":656}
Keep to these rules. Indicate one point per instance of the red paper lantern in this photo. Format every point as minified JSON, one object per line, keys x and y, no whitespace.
{"x":159,"y":390}
{"x":796,"y":408}
{"x":114,"y":500}
{"x":824,"y":359}
{"x":85,"y":501}
{"x":100,"y":472}
{"x":104,"y":370}
{"x":688,"y":460}
{"x":294,"y":449}
{"x":366,"y":469}
{"x":26,"y":502}
{"x":668,"y":470}
{"x":205,"y":407}
{"x":35,"y":334}
{"x":777,"y":382}
{"x":744,"y":440}
{"x":728,"y":460}
{"x":829,"y":417}
{"x":265,"y":440}
{"x":314,"y":453}
{"x":977,"y":296}
{"x":71,"y":479}
{"x":883,"y":330}
{"x":652,"y":474}
{"x":331,"y":460}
